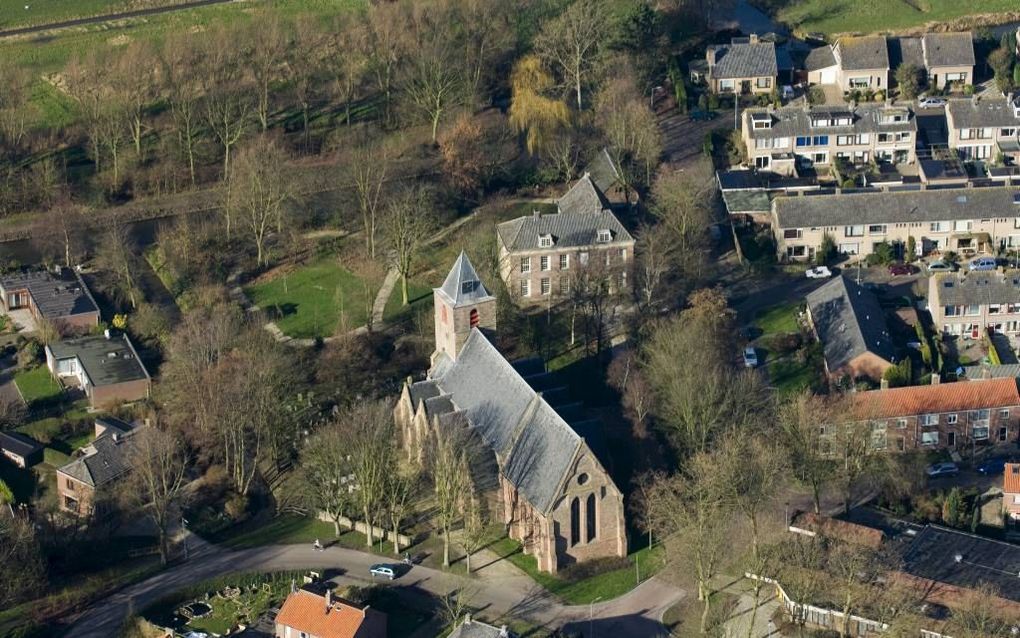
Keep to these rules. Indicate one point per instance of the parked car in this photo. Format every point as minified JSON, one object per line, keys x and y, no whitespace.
{"x":982,"y":263}
{"x":930,"y":102}
{"x":941,"y":266}
{"x":902,"y":269}
{"x":702,"y":116}
{"x":787,"y":92}
{"x":383,"y":570}
{"x":750,"y":357}
{"x":991,"y":467}
{"x":818,"y":272}
{"x":943,"y":469}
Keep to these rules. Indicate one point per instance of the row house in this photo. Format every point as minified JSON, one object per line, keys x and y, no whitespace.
{"x":985,"y":129}
{"x":951,"y":416}
{"x":542,"y":255}
{"x":969,"y":304}
{"x":870,"y":62}
{"x":782,"y":140}
{"x":967,"y":221}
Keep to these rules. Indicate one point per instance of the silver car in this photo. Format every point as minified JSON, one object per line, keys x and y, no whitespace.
{"x":383,"y":570}
{"x":750,"y":357}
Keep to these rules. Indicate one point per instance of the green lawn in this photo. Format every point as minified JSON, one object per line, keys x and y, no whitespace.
{"x":778,"y":319}
{"x":789,"y":376}
{"x":306,"y":302}
{"x":37,"y":384}
{"x":865,"y":16}
{"x":288,"y":529}
{"x":604,"y":586}
{"x":49,"y":428}
{"x":418,"y":295}
{"x":17,"y":13}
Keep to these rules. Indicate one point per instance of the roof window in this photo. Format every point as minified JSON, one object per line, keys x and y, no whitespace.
{"x":604,"y":236}
{"x":545,"y":241}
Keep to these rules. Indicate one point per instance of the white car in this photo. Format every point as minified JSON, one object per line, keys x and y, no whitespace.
{"x":931,"y":103}
{"x":383,"y":570}
{"x":818,"y":272}
{"x":750,"y":357}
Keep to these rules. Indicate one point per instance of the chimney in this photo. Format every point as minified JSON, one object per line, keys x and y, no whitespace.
{"x":293,"y":586}
{"x":467,"y":618}
{"x":884,"y":384}
{"x":107,"y":333}
{"x":710,"y":56}
{"x":986,"y":374}
{"x":935,"y":378}
{"x":753,"y":39}
{"x":329,"y":599}
{"x":536,"y":213}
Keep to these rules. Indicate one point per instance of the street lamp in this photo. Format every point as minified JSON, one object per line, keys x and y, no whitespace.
{"x":591,"y":618}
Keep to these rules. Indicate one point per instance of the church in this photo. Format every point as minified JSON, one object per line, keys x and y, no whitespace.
{"x":549,"y":488}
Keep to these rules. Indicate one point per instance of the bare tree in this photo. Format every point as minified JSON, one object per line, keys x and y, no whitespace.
{"x":228,"y":102}
{"x":654,"y":254}
{"x":683,"y":202}
{"x":594,"y":290}
{"x":856,"y":569}
{"x":573,"y":43}
{"x":327,"y":472}
{"x":434,"y":80}
{"x":134,"y":79}
{"x":179,"y":58}
{"x":15,"y":108}
{"x":751,"y":470}
{"x":856,"y":452}
{"x":18,"y":546}
{"x":116,"y":255}
{"x":627,"y":123}
{"x":802,"y":420}
{"x":305,"y":66}
{"x":401,"y":488}
{"x":475,"y":531}
{"x":348,"y":60}
{"x":409,"y":220}
{"x":84,"y":82}
{"x":385,"y":26}
{"x":266,"y":43}
{"x":981,"y":612}
{"x":156,"y":481}
{"x":258,"y":191}
{"x":484,"y":38}
{"x":369,"y":165}
{"x":448,"y":467}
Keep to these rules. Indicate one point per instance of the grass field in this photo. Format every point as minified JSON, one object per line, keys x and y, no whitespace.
{"x":36,"y":384}
{"x":307,"y":302}
{"x":22,"y":13}
{"x":778,"y":319}
{"x":866,"y":16}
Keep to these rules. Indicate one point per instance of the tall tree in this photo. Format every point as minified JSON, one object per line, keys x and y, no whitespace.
{"x":448,"y":464}
{"x":18,"y":546}
{"x":401,"y":488}
{"x":573,"y":44}
{"x":228,"y":96}
{"x":84,"y":79}
{"x":306,"y":66}
{"x":751,"y":470}
{"x":369,"y":428}
{"x":327,"y":472}
{"x":801,"y":420}
{"x":533,"y":111}
{"x":385,"y":27}
{"x":683,"y":201}
{"x":259,"y":190}
{"x":628,"y":125}
{"x":135,"y":80}
{"x":369,"y":165}
{"x":179,"y":57}
{"x":434,"y":82}
{"x":409,"y":220}
{"x":266,"y":43}
{"x":348,"y":60}
{"x":156,"y":481}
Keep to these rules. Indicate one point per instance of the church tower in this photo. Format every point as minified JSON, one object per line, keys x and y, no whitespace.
{"x":461,"y":304}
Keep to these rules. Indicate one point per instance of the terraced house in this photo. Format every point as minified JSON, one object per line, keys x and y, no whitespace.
{"x":942,"y":415}
{"x":969,"y":304}
{"x":985,"y":128}
{"x":783,"y":140}
{"x":967,"y":221}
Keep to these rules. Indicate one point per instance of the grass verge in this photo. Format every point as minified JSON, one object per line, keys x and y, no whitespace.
{"x":37,"y":384}
{"x":866,"y":16}
{"x":778,"y":319}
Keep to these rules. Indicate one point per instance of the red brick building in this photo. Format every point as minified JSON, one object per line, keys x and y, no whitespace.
{"x":1011,"y":490}
{"x":308,"y":615}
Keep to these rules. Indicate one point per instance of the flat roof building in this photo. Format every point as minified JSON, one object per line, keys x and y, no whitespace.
{"x":106,"y":367}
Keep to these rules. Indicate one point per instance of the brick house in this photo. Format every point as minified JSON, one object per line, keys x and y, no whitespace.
{"x":538,"y":473}
{"x":1011,"y":490}
{"x":985,"y":128}
{"x":970,"y":303}
{"x":745,"y":65}
{"x":951,"y":416}
{"x":850,"y":325}
{"x":104,"y":461}
{"x":541,"y":255}
{"x":306,"y":614}
{"x":966,"y":221}
{"x":60,"y":297}
{"x":20,"y":449}
{"x":105,"y":367}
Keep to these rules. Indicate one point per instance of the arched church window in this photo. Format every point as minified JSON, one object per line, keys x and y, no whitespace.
{"x":575,"y":521}
{"x":589,"y":515}
{"x":474,"y":317}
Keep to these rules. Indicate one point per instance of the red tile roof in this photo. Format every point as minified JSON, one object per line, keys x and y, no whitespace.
{"x":307,"y":612}
{"x":1011,"y":480}
{"x":944,"y":397}
{"x":840,"y":530}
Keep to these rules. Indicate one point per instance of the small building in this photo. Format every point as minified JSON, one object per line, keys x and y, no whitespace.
{"x":540,"y":255}
{"x":850,"y":324}
{"x":306,"y":614}
{"x":471,"y":628}
{"x":106,"y":368}
{"x":1011,"y":490}
{"x":863,"y":63}
{"x":59,"y":297}
{"x":106,"y":460}
{"x":985,"y":129}
{"x":606,"y":176}
{"x":968,"y":304}
{"x":745,"y":65}
{"x":21,"y":449}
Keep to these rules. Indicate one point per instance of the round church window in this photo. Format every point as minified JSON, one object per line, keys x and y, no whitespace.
{"x":582,"y":479}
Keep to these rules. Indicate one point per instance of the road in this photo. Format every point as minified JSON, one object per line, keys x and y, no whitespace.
{"x":497,"y":593}
{"x":64,"y":24}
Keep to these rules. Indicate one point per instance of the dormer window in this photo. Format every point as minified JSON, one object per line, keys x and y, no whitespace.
{"x":468,"y":287}
{"x":604,"y":236}
{"x":761,"y":121}
{"x":545,"y":241}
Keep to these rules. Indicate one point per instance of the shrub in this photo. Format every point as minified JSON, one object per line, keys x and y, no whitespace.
{"x":587,"y":569}
{"x":815,"y":95}
{"x":849,"y":183}
{"x":968,"y":89}
{"x":236,"y":507}
{"x":827,"y":252}
{"x":29,"y":354}
{"x":6,"y":495}
{"x":783,"y":343}
{"x":713,"y":102}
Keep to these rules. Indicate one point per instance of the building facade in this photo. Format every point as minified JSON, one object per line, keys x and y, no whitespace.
{"x":82,"y":482}
{"x":106,"y":368}
{"x":59,"y":297}
{"x":811,"y":135}
{"x":985,"y":129}
{"x":970,"y":304}
{"x":307,"y":614}
{"x":967,"y":221}
{"x":541,"y":477}
{"x":745,"y":65}
{"x":851,"y":326}
{"x":1011,"y":490}
{"x":543,"y":256}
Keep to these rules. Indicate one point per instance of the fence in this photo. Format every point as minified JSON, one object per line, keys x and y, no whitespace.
{"x":403,"y":540}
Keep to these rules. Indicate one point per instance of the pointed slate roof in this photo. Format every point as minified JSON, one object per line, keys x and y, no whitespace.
{"x":107,"y":458}
{"x":583,"y":197}
{"x":603,"y":171}
{"x":463,"y":285}
{"x":535,"y":446}
{"x":849,"y":322}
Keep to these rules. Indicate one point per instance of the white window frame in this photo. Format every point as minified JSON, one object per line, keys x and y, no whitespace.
{"x":980,"y":432}
{"x":525,"y":265}
{"x":952,"y":419}
{"x":929,"y":420}
{"x":525,"y":287}
{"x":543,"y":263}
{"x":930,"y":438}
{"x":604,"y":236}
{"x":564,"y":262}
{"x":545,"y":287}
{"x":545,"y":241}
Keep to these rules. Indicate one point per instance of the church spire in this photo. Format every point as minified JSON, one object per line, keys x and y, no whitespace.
{"x":462,"y":304}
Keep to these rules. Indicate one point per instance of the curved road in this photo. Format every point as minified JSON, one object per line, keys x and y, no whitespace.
{"x":39,"y":28}
{"x":496,"y":593}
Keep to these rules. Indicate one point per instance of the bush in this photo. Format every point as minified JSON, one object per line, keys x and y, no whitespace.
{"x":236,"y":507}
{"x":882,"y":254}
{"x":6,"y":495}
{"x":783,"y":343}
{"x":827,"y":252}
{"x":713,"y":102}
{"x":849,"y":182}
{"x":29,"y":354}
{"x":968,"y":89}
{"x":587,"y":569}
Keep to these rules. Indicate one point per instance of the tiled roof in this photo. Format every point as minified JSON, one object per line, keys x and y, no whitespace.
{"x":849,"y":322}
{"x":1011,"y":478}
{"x":583,"y":197}
{"x":55,"y":295}
{"x":840,"y":530}
{"x":471,"y":628}
{"x":896,"y":207}
{"x":978,"y":113}
{"x":930,"y":399}
{"x":906,"y":51}
{"x":744,"y":60}
{"x":462,"y":284}
{"x":861,"y":53}
{"x":568,"y":230}
{"x":979,"y":288}
{"x":819,"y":58}
{"x":307,"y":612}
{"x":106,"y":458}
{"x":534,"y":444}
{"x":603,"y":171}
{"x":948,"y":49}
{"x":792,"y":121}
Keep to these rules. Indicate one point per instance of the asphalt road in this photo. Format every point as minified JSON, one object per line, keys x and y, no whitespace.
{"x":497,"y":593}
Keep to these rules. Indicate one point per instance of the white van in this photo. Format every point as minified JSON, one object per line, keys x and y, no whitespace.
{"x":982,"y":263}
